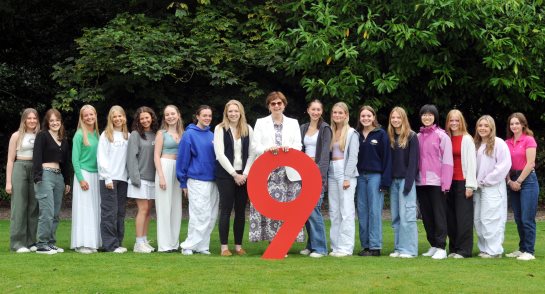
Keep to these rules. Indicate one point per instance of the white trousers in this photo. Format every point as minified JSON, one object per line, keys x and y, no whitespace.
{"x":342,"y":209}
{"x":86,"y":213}
{"x":490,"y":217}
{"x":168,"y":205}
{"x":203,"y":211}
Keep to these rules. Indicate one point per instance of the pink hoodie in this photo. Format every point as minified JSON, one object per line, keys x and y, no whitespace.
{"x":436,"y":163}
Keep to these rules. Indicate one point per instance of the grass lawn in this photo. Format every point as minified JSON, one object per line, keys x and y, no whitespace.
{"x":173,"y":273}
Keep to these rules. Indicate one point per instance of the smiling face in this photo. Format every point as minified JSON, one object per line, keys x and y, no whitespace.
{"x":454,"y":124}
{"x":276,"y":106}
{"x":54,"y":123}
{"x":31,"y":122}
{"x":366,"y":118}
{"x":89,"y":117}
{"x":515,"y":126}
{"x":145,"y":120}
{"x":338,"y":115}
{"x":484,"y":129}
{"x":118,"y":119}
{"x":395,"y":120}
{"x":315,"y":111}
{"x":427,"y":119}
{"x":204,"y":118}
{"x":233,"y":113}
{"x":171,"y":116}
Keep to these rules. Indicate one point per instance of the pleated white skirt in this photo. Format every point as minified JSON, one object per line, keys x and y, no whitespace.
{"x":86,"y":213}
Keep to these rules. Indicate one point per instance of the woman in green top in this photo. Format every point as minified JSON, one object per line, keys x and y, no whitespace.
{"x":86,"y":196}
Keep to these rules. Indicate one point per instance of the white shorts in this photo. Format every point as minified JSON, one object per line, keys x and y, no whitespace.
{"x":145,"y":191}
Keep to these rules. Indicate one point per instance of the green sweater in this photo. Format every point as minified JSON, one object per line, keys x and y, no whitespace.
{"x":84,"y":157}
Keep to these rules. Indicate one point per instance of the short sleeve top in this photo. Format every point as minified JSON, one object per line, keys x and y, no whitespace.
{"x":518,"y":150}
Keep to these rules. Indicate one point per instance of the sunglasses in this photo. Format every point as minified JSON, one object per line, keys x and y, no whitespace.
{"x":273,"y":104}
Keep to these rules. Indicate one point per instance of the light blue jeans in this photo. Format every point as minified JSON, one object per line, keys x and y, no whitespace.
{"x":316,"y":230}
{"x":403,"y":209}
{"x":370,"y":202}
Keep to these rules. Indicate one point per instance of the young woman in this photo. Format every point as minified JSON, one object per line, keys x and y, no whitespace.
{"x":235,"y":155}
{"x":86,"y":198}
{"x":19,"y":184}
{"x":405,"y":152}
{"x":141,"y":170}
{"x":316,"y":141}
{"x":374,"y":168}
{"x":112,"y":169}
{"x":434,"y":179}
{"x":168,"y":194}
{"x":50,"y":168}
{"x":522,"y":182}
{"x":276,"y":133}
{"x":195,"y":169}
{"x":464,"y":182}
{"x":493,"y":164}
{"x":342,"y":181}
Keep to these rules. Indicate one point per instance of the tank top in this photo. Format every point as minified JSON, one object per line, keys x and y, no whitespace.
{"x":310,"y":144}
{"x":169,"y":144}
{"x":336,"y":151}
{"x":27,"y":146}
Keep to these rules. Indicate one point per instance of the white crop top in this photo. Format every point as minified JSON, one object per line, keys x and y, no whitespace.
{"x":336,"y":151}
{"x":310,"y":144}
{"x":27,"y":146}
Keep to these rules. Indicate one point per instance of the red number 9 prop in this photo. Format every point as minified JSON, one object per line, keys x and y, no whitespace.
{"x":294,"y":213}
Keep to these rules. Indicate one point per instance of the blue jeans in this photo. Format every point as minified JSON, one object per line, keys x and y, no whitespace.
{"x":403,"y":209}
{"x":370,"y":202}
{"x":316,"y":230}
{"x":524,"y":204}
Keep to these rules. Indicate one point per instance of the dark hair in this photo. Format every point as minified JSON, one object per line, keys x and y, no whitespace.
{"x":430,"y":108}
{"x":276,"y":95}
{"x":136,"y":126}
{"x":523,"y":122}
{"x":198,"y":112}
{"x":48,"y":115}
{"x":321,"y":105}
{"x":359,"y":126}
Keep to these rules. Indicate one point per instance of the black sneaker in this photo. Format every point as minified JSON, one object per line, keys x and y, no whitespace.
{"x":372,"y":252}
{"x":59,"y":250}
{"x":46,"y":250}
{"x":363,"y":252}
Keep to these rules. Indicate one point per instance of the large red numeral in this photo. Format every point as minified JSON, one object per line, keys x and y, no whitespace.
{"x":294,"y":213}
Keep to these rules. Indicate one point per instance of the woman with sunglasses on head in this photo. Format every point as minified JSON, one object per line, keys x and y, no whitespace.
{"x":50,"y":167}
{"x":316,"y":136}
{"x":522,"y":183}
{"x":276,"y":133}
{"x":20,"y":185}
{"x":490,"y":199}
{"x":235,"y":155}
{"x":112,"y":169}
{"x":195,"y":169}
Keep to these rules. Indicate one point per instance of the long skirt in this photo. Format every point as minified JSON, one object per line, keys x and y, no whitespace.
{"x":282,"y":190}
{"x":86,"y":213}
{"x":168,"y":204}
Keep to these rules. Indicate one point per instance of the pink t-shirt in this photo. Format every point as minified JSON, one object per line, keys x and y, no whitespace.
{"x":518,"y":150}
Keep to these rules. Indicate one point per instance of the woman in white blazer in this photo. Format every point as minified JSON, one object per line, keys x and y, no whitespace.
{"x":276,"y":133}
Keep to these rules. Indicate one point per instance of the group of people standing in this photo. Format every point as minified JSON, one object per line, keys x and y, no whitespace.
{"x":458,"y":181}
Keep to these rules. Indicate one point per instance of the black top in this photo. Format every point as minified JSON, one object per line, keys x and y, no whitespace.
{"x":405,"y":162}
{"x":229,"y":151}
{"x":46,"y":150}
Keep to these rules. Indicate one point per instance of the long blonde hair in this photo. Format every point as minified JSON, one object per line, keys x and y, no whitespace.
{"x":179,"y":123}
{"x":491,"y":140}
{"x":345,"y":127}
{"x":22,"y":126}
{"x":463,"y":124}
{"x":81,"y":124}
{"x":405,"y":132}
{"x":109,"y":130}
{"x":242,"y":125}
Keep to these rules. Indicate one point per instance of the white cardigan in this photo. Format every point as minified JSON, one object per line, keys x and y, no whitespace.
{"x":264,"y":138}
{"x":469,"y":162}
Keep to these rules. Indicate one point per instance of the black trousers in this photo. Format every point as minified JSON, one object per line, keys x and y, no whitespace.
{"x":433,"y":206}
{"x":232,"y":196}
{"x":460,"y":220}
{"x":112,"y":214}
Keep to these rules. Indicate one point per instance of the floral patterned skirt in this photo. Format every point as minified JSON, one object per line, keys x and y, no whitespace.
{"x":283,"y":190}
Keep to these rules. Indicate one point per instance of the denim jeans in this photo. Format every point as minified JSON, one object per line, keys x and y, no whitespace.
{"x":316,"y":230}
{"x":403,"y":209}
{"x":49,"y":194}
{"x":370,"y":202}
{"x":524,"y":204}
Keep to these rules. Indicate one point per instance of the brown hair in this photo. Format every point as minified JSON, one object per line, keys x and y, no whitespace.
{"x":359,"y":126}
{"x":48,"y":115}
{"x":523,"y":122}
{"x":136,"y":126}
{"x":276,"y":95}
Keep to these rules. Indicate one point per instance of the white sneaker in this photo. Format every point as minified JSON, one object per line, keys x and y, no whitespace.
{"x":33,"y":248}
{"x":58,"y":249}
{"x":487,"y":256}
{"x":395,"y":254}
{"x":316,"y":255}
{"x":514,"y":254}
{"x":141,"y":248}
{"x":430,"y":252}
{"x":304,"y":252}
{"x":481,"y":254}
{"x":23,"y":250}
{"x":119,"y":250}
{"x":122,"y":249}
{"x":456,"y":256}
{"x":205,"y":252}
{"x":149,"y":246}
{"x":83,"y":250}
{"x":338,"y":254}
{"x":405,"y":255}
{"x":440,"y":254}
{"x":187,"y":252}
{"x":526,"y":256}
{"x":451,"y":255}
